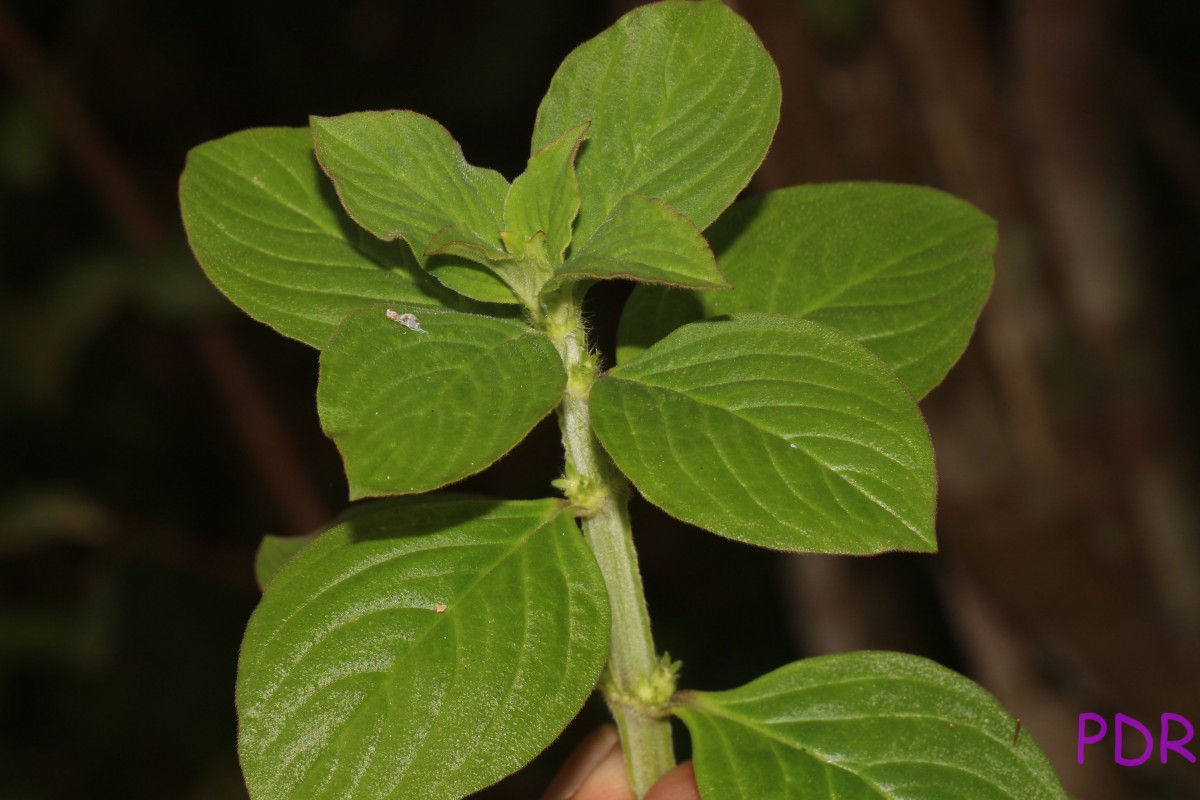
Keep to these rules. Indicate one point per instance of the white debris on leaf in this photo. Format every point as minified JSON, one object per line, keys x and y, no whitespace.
{"x":409,"y":321}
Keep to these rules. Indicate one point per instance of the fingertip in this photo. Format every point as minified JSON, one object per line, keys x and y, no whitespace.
{"x":596,"y":771}
{"x":608,"y":781}
{"x":583,"y":761}
{"x":678,"y":784}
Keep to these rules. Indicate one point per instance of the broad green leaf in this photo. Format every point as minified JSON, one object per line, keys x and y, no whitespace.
{"x":413,"y":411}
{"x":683,"y":101}
{"x":773,"y":431}
{"x":862,"y":726}
{"x":400,"y":174}
{"x":268,"y":230}
{"x":427,"y":647}
{"x":545,"y":197}
{"x":273,"y":552}
{"x":903,"y":269}
{"x":646,"y":240}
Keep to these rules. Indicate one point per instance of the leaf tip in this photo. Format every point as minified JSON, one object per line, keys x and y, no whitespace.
{"x":318,"y":123}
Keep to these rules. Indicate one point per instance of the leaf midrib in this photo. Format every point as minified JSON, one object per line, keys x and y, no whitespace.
{"x":869,"y":275}
{"x":439,"y":620}
{"x":765,"y":732}
{"x":907,"y":524}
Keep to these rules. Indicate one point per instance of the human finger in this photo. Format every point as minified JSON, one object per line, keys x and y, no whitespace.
{"x":585,"y":759}
{"x":678,"y":784}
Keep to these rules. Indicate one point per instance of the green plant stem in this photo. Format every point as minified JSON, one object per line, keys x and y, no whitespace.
{"x":633,"y":662}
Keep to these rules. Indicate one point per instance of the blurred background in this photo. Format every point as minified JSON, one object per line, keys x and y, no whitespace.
{"x":150,"y":434}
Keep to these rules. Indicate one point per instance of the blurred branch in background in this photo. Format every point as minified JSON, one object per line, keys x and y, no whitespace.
{"x":78,"y":607}
{"x":1070,"y":567}
{"x":266,"y":441}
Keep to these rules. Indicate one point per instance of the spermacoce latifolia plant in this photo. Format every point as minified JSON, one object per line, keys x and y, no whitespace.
{"x":765,"y":389}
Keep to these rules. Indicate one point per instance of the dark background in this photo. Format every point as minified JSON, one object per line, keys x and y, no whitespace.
{"x":150,"y":433}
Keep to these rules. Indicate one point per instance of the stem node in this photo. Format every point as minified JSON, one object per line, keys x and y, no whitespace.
{"x":638,"y":685}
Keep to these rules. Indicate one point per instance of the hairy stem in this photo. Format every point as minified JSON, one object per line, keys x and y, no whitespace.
{"x":634,"y":669}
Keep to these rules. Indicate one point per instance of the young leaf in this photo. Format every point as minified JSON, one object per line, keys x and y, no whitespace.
{"x":883,"y":726}
{"x":411,"y":411}
{"x":545,"y":197}
{"x":268,"y":230}
{"x":683,"y":101}
{"x":773,"y":431}
{"x":458,"y":239}
{"x":426,"y":647}
{"x":400,"y":174}
{"x":470,"y":279}
{"x":646,"y":240}
{"x":903,"y":269}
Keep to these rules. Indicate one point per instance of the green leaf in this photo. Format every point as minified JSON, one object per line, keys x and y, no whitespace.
{"x":273,"y":552}
{"x":425,"y":648}
{"x":478,"y":290}
{"x":683,"y":101}
{"x":400,"y":174}
{"x":903,"y":269}
{"x":773,"y":431}
{"x":470,"y":279}
{"x":412,"y":411}
{"x":545,"y":197}
{"x":266,"y":227}
{"x":862,"y":725}
{"x":646,"y":240}
{"x":457,"y":239}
